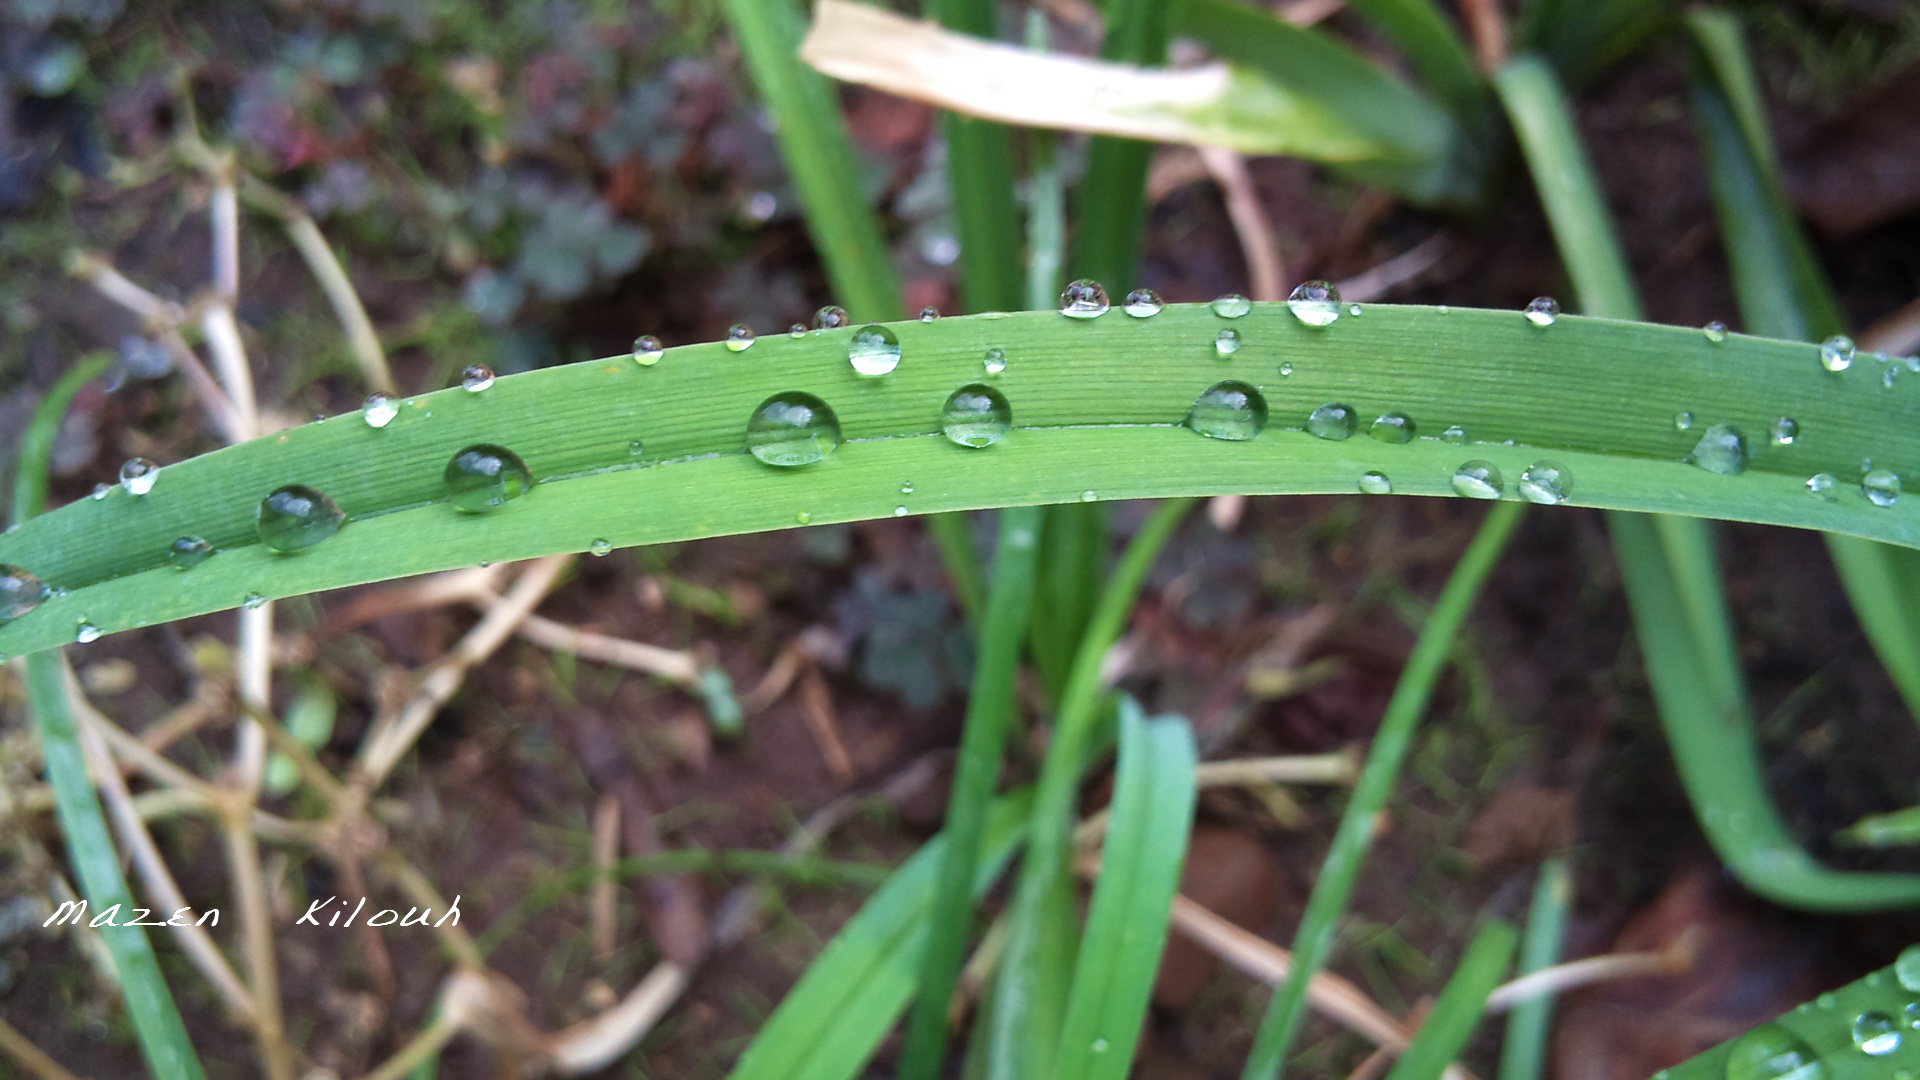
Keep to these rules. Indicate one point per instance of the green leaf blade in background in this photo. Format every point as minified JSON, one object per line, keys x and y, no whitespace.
{"x":1462,"y":1002}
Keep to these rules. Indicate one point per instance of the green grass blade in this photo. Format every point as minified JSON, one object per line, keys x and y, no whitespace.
{"x":990,"y":717}
{"x":1146,"y":844}
{"x":1462,"y":1002}
{"x":832,"y":1021}
{"x":1857,"y":1032}
{"x":1432,"y":43}
{"x":1524,"y":1048}
{"x":36,"y":443}
{"x":1313,"y":943}
{"x":1110,"y":216}
{"x":980,"y":174}
{"x":1096,"y":406}
{"x":1584,"y":37}
{"x":1047,"y":212}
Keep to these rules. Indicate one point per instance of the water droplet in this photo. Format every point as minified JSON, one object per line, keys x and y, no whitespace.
{"x":1543,"y":310}
{"x":929,"y":313}
{"x":1333,"y":421}
{"x":1227,"y":342}
{"x":976,"y":416}
{"x":1548,"y":483}
{"x":996,"y":361}
{"x":85,"y":633}
{"x":187,"y":552}
{"x":599,"y":549}
{"x":1286,"y":367}
{"x":1715,"y":331}
{"x":1100,"y":1046}
{"x":899,"y":511}
{"x":1478,"y":480}
{"x":20,"y":592}
{"x":1771,"y":1052}
{"x":1084,"y":299}
{"x":647,"y":350}
{"x":1353,"y":310}
{"x":1443,"y":309}
{"x":739,"y":337}
{"x":486,"y":477}
{"x":379,"y":410}
{"x":1454,"y":434}
{"x":139,"y":475}
{"x":101,"y":491}
{"x":1315,"y":303}
{"x":1875,"y":1034}
{"x":254,"y":601}
{"x":1906,"y":970}
{"x":797,"y":330}
{"x":636,"y":448}
{"x":1375,"y":483}
{"x":1825,"y":1002}
{"x":1089,"y":496}
{"x":803,"y":517}
{"x":1888,"y":378}
{"x":476,"y":378}
{"x":296,"y":517}
{"x":831,"y":317}
{"x":1228,"y":410}
{"x":1836,"y":353}
{"x":792,"y":429}
{"x":1784,"y":431}
{"x":1143,"y":304}
{"x":1393,"y":427}
{"x":874,"y":351}
{"x":1913,"y":364}
{"x":1722,"y":449}
{"x":906,"y":488}
{"x":1231,"y":306}
{"x":1881,"y":487}
{"x":1683,"y":421}
{"x":1822,"y":486}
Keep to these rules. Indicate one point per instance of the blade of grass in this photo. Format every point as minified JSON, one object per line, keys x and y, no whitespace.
{"x":36,"y":443}
{"x":831,"y":1022}
{"x":990,"y":717}
{"x":1832,"y":1036}
{"x":1145,"y":847}
{"x":1047,"y":211}
{"x":980,"y":175}
{"x":1110,"y":215}
{"x":1524,"y":1048}
{"x":1457,"y":1012}
{"x":1584,"y":37}
{"x":1313,"y":943}
{"x":1432,"y":44}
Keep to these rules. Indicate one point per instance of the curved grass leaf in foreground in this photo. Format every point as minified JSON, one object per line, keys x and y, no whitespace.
{"x":631,"y":454}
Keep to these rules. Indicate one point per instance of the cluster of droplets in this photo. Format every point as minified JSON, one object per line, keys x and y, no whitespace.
{"x":1774,"y":1052}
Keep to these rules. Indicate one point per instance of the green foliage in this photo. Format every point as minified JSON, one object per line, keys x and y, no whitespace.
{"x":1862,"y":1031}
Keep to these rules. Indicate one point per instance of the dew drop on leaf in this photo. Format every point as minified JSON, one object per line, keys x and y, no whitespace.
{"x":831,"y":317}
{"x":486,"y":477}
{"x":1332,"y":421}
{"x":1143,"y":304}
{"x":1084,"y":299}
{"x":1784,"y":431}
{"x":476,"y":378}
{"x":739,"y":337}
{"x":599,"y":549}
{"x":792,"y":429}
{"x":296,"y":517}
{"x":85,"y":633}
{"x":1315,"y":303}
{"x":1836,"y":353}
{"x":1881,"y":487}
{"x":1771,"y":1052}
{"x":996,"y":361}
{"x":1876,"y":1034}
{"x":647,"y":350}
{"x":1478,"y":480}
{"x":1543,"y":310}
{"x":1231,"y":306}
{"x":1715,"y":331}
{"x":1375,"y":483}
{"x":1227,"y":342}
{"x":1548,"y":483}
{"x":1722,"y":449}
{"x":874,"y":351}
{"x":20,"y":592}
{"x":139,"y":475}
{"x":379,"y":410}
{"x":1393,"y":427}
{"x":1228,"y":410}
{"x":187,"y":552}
{"x":929,"y":314}
{"x":976,"y":416}
{"x":1906,"y":970}
{"x":1822,"y":486}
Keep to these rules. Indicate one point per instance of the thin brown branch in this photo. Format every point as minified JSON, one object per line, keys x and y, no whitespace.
{"x":1488,"y":28}
{"x":824,"y":724}
{"x":674,"y":665}
{"x":256,"y":935}
{"x":31,"y":1058}
{"x":325,"y":266}
{"x":1251,"y":226}
{"x":1896,"y":334}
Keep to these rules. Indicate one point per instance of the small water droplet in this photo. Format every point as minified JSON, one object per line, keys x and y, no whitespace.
{"x":1089,"y":496}
{"x":476,"y":378}
{"x":379,"y":410}
{"x":1543,"y":310}
{"x":484,"y":478}
{"x":599,"y":549}
{"x":831,"y":317}
{"x":1722,"y":449}
{"x":803,"y":517}
{"x":929,"y":313}
{"x":296,"y":517}
{"x":1478,"y":480}
{"x":1286,"y":367}
{"x":1875,"y":1034}
{"x":253,"y":601}
{"x":636,"y":448}
{"x":1315,"y":303}
{"x":139,"y":475}
{"x":1906,"y":969}
{"x":874,"y":351}
{"x":1333,"y":421}
{"x":187,"y":552}
{"x":1393,"y":427}
{"x":1888,"y":378}
{"x":976,"y":416}
{"x":1375,"y":483}
{"x":1444,"y":309}
{"x":1227,"y":342}
{"x":1228,"y":410}
{"x":1683,"y":421}
{"x":1715,"y":331}
{"x":899,"y":511}
{"x":1143,"y":304}
{"x":739,"y":337}
{"x":647,"y":350}
{"x":1100,"y":1046}
{"x":1836,"y":353}
{"x":20,"y":592}
{"x":101,"y":491}
{"x":1454,"y":434}
{"x":1825,"y":1002}
{"x":996,"y":361}
{"x":792,"y":429}
{"x":1548,"y":483}
{"x":906,"y":488}
{"x":85,"y":633}
{"x":1771,"y":1052}
{"x":1353,"y":310}
{"x":1084,"y":299}
{"x":1231,"y":306}
{"x":797,"y":330}
{"x":1881,"y":487}
{"x":1913,"y":364}
{"x":1823,"y":486}
{"x":1784,"y":431}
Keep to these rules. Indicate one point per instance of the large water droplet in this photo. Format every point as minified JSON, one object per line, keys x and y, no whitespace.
{"x":1315,"y":303}
{"x":379,"y":410}
{"x":739,"y":337}
{"x":1722,"y":449}
{"x":976,"y":416}
{"x":1771,"y":1052}
{"x":996,"y":361}
{"x":1823,"y":486}
{"x":1548,"y":483}
{"x":85,"y":633}
{"x":296,"y":517}
{"x":476,"y":378}
{"x":486,"y":477}
{"x":1715,"y":331}
{"x":1906,"y":969}
{"x":1876,"y":1034}
{"x":1375,"y":483}
{"x":1333,"y":421}
{"x":599,"y":549}
{"x":1084,"y":299}
{"x":1836,"y":353}
{"x":1881,"y":487}
{"x":1478,"y":480}
{"x":20,"y":592}
{"x":1543,"y":310}
{"x":647,"y":350}
{"x":1784,"y":431}
{"x":1231,"y":306}
{"x":874,"y":351}
{"x":1393,"y":427}
{"x":139,"y":475}
{"x":1227,"y":342}
{"x":1143,"y":304}
{"x":1228,"y":410}
{"x":792,"y":429}
{"x":187,"y":552}
{"x":831,"y":317}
